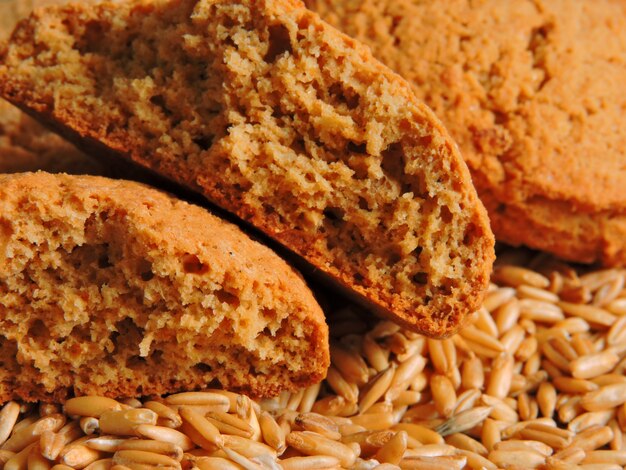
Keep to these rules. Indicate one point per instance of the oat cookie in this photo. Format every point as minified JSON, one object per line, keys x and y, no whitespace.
{"x":279,"y":118}
{"x":109,"y":287}
{"x":26,"y":145}
{"x":532,"y":90}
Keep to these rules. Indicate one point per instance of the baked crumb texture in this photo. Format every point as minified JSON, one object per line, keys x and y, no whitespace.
{"x":25,"y":145}
{"x":533,"y":92}
{"x":109,"y":287}
{"x":282,"y":120}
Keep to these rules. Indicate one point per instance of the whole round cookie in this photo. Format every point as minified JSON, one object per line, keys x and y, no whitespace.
{"x":533,"y":93}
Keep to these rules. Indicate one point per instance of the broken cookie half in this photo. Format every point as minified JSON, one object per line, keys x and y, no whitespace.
{"x":113,"y":288}
{"x":277,"y":117}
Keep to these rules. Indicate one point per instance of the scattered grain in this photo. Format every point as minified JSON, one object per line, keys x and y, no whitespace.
{"x":549,"y":344}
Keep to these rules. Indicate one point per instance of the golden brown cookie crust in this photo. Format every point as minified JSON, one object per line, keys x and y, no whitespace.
{"x":112,"y":288}
{"x":277,"y":117}
{"x":532,"y":91}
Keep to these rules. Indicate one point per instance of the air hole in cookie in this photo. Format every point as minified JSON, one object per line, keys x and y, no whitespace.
{"x":91,"y":39}
{"x":406,"y":188}
{"x":297,"y":145}
{"x":113,"y":338}
{"x":38,"y":329}
{"x":6,"y":231}
{"x":499,"y":118}
{"x":345,"y":96}
{"x":145,"y":270}
{"x":277,"y":113}
{"x":421,"y":278}
{"x":357,"y":148}
{"x":538,"y":37}
{"x":155,"y":356}
{"x":393,"y":259}
{"x":363,"y":204}
{"x":334,"y":215}
{"x":202,"y":367}
{"x":158,"y":100}
{"x":240,"y":188}
{"x":193,"y":265}
{"x":272,"y":215}
{"x":321,"y":59}
{"x":269,"y":313}
{"x":360,"y":165}
{"x":470,"y":235}
{"x":358,"y":277}
{"x":425,"y":140}
{"x":392,"y":163}
{"x":8,"y":348}
{"x":90,"y":225}
{"x":126,"y":331}
{"x":204,"y":142}
{"x":134,"y":362}
{"x":228,"y":22}
{"x":445,"y":289}
{"x":445,"y":214}
{"x":103,"y":260}
{"x":227,"y":298}
{"x":317,"y":87}
{"x":279,"y":42}
{"x":395,"y":22}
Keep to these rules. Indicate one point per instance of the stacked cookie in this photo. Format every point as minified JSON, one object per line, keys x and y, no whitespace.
{"x":532,"y":93}
{"x":25,"y":144}
{"x":269,"y":113}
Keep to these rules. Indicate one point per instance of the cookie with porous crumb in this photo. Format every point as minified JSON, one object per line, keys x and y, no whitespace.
{"x":533,"y":92}
{"x":25,"y":145}
{"x":112,"y":288}
{"x":277,"y":117}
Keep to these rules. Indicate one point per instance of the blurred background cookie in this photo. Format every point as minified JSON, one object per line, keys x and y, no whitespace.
{"x":25,"y":145}
{"x":533,"y":93}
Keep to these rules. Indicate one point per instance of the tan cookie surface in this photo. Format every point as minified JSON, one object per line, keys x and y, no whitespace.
{"x":279,"y":118}
{"x":26,"y":145}
{"x":112,"y":288}
{"x":533,"y":93}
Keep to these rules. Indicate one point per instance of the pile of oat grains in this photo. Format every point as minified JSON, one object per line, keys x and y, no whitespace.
{"x":535,"y":380}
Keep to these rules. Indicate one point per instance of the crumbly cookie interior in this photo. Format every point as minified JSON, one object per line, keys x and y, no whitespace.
{"x":93,"y":301}
{"x":516,"y":84}
{"x":293,"y":129}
